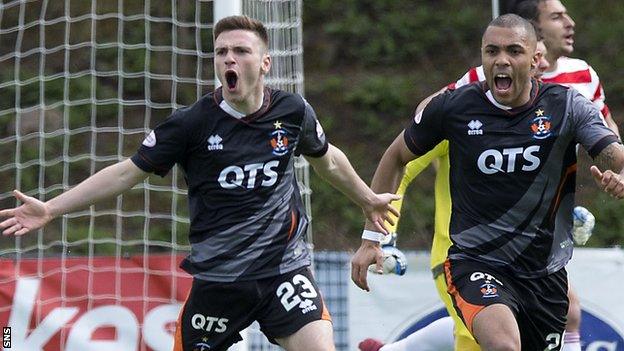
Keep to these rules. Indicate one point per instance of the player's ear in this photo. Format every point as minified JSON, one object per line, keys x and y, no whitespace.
{"x":266,"y":63}
{"x":535,"y":59}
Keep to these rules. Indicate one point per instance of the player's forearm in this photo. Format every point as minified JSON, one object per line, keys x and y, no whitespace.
{"x":387,"y":176}
{"x":338,"y":171}
{"x":611,"y":157}
{"x":109,"y":182}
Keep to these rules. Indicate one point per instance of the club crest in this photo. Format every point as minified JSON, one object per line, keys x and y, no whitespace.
{"x":279,"y":140}
{"x":541,"y":125}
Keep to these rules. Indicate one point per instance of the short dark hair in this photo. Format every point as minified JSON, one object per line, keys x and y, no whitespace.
{"x":242,"y":22}
{"x":511,"y":20}
{"x":527,"y":9}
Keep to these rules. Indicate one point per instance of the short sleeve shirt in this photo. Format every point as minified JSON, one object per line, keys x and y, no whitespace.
{"x":247,"y":217}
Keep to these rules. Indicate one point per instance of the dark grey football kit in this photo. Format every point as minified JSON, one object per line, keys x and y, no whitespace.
{"x":247,"y":218}
{"x":512,"y":182}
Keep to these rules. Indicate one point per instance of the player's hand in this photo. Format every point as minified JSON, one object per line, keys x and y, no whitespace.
{"x":368,"y":253}
{"x":609,"y":181}
{"x":378,"y":211}
{"x":31,"y":215}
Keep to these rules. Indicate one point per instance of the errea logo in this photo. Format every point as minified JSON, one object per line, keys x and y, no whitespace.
{"x":475,"y":127}
{"x":214,"y":143}
{"x":150,"y":139}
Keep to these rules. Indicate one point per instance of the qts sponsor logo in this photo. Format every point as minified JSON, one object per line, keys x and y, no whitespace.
{"x":249,"y":176}
{"x":484,"y":276}
{"x":509,"y":160}
{"x":207,"y":323}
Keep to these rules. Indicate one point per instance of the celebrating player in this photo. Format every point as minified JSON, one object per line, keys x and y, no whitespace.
{"x":431,"y":338}
{"x":512,"y":165}
{"x":237,"y":147}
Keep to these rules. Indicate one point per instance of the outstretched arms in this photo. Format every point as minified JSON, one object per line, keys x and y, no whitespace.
{"x":386,"y":179}
{"x":34,"y":214}
{"x":335,"y":168}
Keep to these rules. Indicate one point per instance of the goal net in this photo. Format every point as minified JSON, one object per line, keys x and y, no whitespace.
{"x":81,"y":83}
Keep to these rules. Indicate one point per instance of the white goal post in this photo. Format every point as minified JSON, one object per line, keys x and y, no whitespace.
{"x":81,"y":83}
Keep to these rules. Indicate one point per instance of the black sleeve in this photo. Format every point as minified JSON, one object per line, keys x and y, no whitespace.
{"x":312,"y":141}
{"x":425,"y":130}
{"x":163,"y":147}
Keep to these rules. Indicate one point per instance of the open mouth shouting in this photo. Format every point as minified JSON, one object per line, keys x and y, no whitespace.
{"x":231,"y":79}
{"x":502,"y":83}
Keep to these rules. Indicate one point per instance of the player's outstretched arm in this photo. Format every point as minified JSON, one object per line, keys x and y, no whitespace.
{"x":386,"y":180}
{"x":415,"y":167}
{"x":611,"y":160}
{"x":336,"y":169}
{"x":34,"y":214}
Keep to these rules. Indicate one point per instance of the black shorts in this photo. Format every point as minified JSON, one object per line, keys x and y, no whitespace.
{"x":540,"y":305}
{"x":215,"y":313}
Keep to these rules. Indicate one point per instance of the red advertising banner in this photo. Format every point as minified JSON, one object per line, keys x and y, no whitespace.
{"x":100,"y":303}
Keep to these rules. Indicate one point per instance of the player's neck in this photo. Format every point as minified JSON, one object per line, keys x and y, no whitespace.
{"x":523,"y":99}
{"x":552,"y":60}
{"x":247,"y":105}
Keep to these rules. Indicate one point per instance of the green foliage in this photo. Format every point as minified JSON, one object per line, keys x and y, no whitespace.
{"x":388,"y":32}
{"x":598,"y":40}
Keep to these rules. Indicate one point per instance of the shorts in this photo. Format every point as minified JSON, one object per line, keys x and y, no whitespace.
{"x":215,"y":312}
{"x":540,"y":305}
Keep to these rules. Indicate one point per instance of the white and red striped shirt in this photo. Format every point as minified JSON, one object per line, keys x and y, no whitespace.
{"x":475,"y":74}
{"x":579,"y":75}
{"x":570,"y":72}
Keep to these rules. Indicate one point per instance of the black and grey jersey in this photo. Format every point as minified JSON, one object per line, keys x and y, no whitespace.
{"x":247,"y":217}
{"x":512,"y":171}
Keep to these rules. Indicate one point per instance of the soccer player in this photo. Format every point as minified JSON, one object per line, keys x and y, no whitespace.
{"x":431,"y":338}
{"x":237,"y":147}
{"x":512,"y":166}
{"x":557,"y":28}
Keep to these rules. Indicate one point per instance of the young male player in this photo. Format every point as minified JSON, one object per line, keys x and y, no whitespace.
{"x":436,"y":337}
{"x":236,"y":147}
{"x":512,"y":180}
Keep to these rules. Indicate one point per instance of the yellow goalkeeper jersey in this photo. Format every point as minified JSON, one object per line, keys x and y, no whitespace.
{"x":441,"y":239}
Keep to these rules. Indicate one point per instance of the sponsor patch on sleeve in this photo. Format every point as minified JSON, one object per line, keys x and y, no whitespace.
{"x":150,"y":140}
{"x":418,"y":117}
{"x":319,"y":129}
